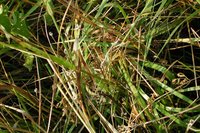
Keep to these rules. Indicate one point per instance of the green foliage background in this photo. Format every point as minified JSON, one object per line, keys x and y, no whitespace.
{"x":99,"y":66}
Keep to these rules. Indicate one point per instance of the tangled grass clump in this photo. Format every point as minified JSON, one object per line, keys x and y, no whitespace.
{"x":99,"y":66}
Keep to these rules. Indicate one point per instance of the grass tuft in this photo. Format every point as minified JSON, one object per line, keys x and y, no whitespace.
{"x":99,"y":66}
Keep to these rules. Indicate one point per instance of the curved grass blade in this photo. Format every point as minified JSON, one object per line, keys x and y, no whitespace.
{"x":30,"y":49}
{"x":169,"y":75}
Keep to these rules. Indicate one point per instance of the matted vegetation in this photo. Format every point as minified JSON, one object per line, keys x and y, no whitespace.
{"x":99,"y":66}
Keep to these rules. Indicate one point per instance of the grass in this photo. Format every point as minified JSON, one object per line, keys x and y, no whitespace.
{"x":99,"y":66}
